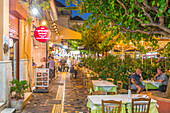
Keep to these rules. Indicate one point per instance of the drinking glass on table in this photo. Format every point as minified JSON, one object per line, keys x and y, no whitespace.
{"x":152,"y":80}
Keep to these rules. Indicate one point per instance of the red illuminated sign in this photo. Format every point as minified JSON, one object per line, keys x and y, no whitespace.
{"x":42,"y":34}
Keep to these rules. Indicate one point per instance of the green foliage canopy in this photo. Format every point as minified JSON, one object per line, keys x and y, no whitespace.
{"x":138,"y":19}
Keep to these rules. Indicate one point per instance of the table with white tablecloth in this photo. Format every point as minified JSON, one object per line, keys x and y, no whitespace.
{"x":95,"y":102}
{"x":103,"y":85}
{"x":151,"y":84}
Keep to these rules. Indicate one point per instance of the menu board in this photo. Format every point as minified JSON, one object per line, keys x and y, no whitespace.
{"x":42,"y":77}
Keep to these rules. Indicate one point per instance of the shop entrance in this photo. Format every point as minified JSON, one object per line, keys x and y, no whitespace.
{"x":14,"y":57}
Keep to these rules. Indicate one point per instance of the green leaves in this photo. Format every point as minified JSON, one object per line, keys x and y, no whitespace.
{"x":19,"y":87}
{"x":131,"y":9}
{"x":105,"y":11}
{"x":153,"y":3}
{"x":113,"y":67}
{"x":146,"y":22}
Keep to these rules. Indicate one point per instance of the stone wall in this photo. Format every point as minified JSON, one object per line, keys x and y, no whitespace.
{"x":5,"y":78}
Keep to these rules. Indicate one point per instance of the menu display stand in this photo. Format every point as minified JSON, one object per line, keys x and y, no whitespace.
{"x":41,"y":80}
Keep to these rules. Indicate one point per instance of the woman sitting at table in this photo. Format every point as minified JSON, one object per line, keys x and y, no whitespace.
{"x":161,"y":77}
{"x":135,"y":80}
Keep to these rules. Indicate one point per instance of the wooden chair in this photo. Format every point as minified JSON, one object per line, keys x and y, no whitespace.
{"x":110,"y":79}
{"x":140,"y":105}
{"x":111,"y":106}
{"x":90,"y":87}
{"x":94,"y":78}
{"x":119,"y":88}
{"x":111,"y":93}
{"x":87,"y":79}
{"x":99,"y":93}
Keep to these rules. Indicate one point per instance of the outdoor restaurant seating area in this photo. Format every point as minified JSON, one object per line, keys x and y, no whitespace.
{"x":85,"y":56}
{"x":116,"y":98}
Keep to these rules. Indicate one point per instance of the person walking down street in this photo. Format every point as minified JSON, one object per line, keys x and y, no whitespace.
{"x":62,"y":61}
{"x":51,"y":67}
{"x":69,"y":63}
{"x":73,"y":67}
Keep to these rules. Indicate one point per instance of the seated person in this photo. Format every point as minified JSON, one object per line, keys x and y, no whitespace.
{"x":135,"y":81}
{"x":161,"y":77}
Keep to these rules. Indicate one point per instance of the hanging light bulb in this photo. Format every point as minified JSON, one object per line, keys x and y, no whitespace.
{"x":44,"y":22}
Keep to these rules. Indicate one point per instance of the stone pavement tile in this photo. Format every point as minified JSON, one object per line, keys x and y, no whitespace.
{"x":75,"y":100}
{"x":43,"y":102}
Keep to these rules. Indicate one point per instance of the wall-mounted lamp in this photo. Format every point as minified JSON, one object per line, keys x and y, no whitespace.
{"x":44,"y":22}
{"x":35,"y":11}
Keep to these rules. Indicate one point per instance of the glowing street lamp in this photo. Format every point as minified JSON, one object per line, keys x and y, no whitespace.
{"x":34,"y":11}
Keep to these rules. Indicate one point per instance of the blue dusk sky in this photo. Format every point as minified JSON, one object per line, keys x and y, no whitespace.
{"x":74,"y":13}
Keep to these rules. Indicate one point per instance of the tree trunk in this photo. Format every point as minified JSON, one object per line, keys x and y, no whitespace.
{"x":94,"y":54}
{"x":80,"y":55}
{"x":168,"y":89}
{"x":103,"y":53}
{"x":106,"y":54}
{"x":97,"y":55}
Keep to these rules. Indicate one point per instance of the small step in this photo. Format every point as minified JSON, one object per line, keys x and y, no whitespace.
{"x":2,"y":106}
{"x":8,"y":110}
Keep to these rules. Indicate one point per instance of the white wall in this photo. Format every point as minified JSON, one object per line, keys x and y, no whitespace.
{"x":39,"y":52}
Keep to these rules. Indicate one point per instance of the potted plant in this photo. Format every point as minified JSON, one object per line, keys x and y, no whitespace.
{"x":17,"y":90}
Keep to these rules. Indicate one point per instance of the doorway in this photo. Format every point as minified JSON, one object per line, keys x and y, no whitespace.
{"x":14,"y":57}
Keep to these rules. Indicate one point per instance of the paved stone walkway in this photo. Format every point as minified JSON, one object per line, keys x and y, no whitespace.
{"x":75,"y":96}
{"x":65,"y":95}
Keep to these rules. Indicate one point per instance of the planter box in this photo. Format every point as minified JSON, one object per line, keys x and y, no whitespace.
{"x":163,"y":104}
{"x":17,"y":104}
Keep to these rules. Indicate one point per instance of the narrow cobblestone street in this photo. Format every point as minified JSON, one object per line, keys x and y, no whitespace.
{"x":65,"y":95}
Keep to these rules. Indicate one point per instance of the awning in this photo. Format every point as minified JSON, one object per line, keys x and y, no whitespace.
{"x":65,"y":33}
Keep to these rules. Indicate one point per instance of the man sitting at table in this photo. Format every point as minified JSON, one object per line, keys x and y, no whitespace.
{"x":135,"y":81}
{"x":161,"y":77}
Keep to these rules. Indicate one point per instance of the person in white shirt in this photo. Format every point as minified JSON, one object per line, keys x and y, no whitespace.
{"x":69,"y":62}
